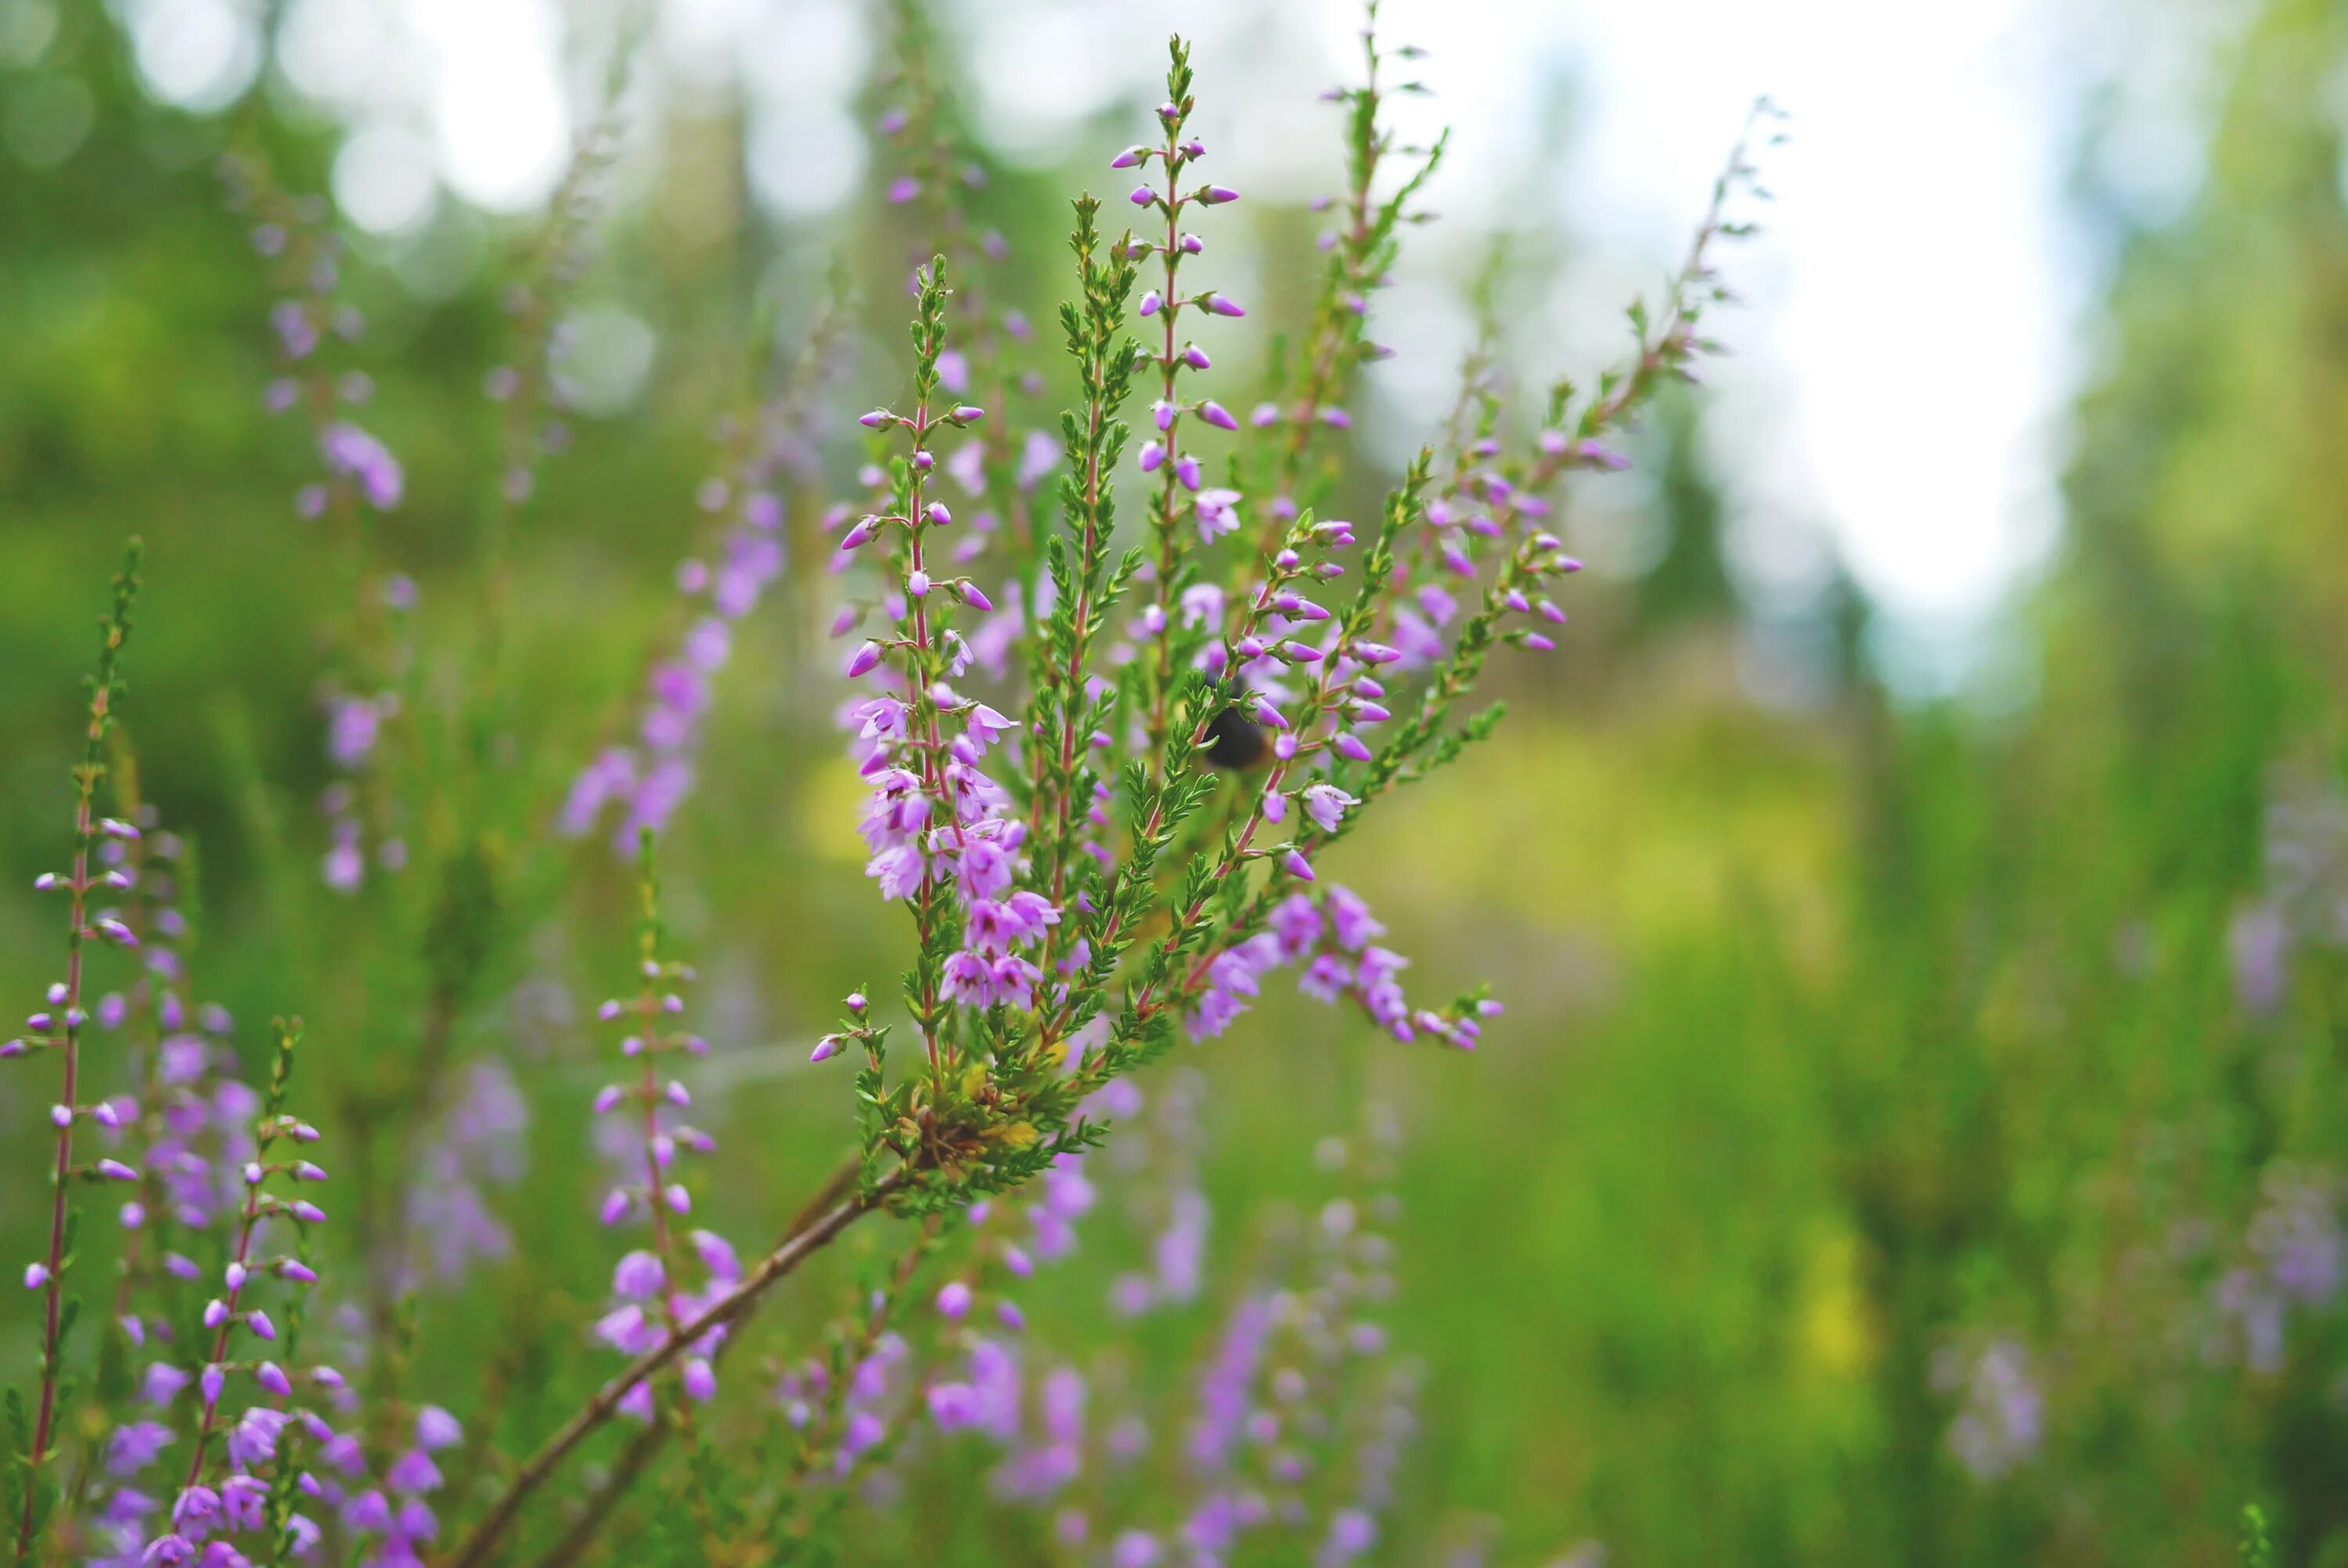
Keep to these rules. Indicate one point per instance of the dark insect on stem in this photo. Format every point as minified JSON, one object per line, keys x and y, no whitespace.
{"x":1235,"y":742}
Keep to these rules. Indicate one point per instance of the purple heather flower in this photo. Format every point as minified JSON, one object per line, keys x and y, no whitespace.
{"x":898,"y":871}
{"x":162,"y":1383}
{"x":1136,"y":1549}
{"x":1218,"y":513}
{"x":254,"y":1440}
{"x":969,"y":978}
{"x":2001,"y":1421}
{"x":134,"y":1446}
{"x":243,"y":1502}
{"x":195,"y":1511}
{"x":1296,"y":926}
{"x":414,"y":1473}
{"x":954,"y":1406}
{"x":368,"y":1512}
{"x":352,"y":452}
{"x":638,"y":1276}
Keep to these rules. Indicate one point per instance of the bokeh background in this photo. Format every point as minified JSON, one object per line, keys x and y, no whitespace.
{"x":1918,"y":883}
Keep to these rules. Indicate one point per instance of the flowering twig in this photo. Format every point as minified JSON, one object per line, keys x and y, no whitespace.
{"x":1179,"y":470}
{"x":727,"y":1309}
{"x":641,"y":1450}
{"x":59,"y":1028}
{"x":1360,"y":250}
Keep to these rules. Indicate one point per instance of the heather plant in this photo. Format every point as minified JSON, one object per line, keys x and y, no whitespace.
{"x":1914,"y":1136}
{"x":1105,"y":758}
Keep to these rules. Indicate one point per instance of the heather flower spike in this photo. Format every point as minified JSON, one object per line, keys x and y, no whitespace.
{"x":59,"y":1033}
{"x":650,"y":774}
{"x":658,"y":1289}
{"x":245,"y":1468}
